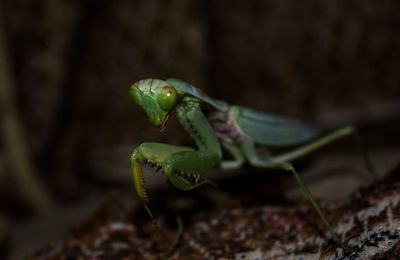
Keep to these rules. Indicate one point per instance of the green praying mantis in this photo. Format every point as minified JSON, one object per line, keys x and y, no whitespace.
{"x":213,"y":124}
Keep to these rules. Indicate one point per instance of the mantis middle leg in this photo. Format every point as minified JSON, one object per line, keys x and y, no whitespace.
{"x":236,"y":152}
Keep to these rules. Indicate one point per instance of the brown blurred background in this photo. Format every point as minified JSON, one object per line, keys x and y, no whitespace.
{"x":68,"y":125}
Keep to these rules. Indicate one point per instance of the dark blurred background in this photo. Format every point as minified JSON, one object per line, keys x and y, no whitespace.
{"x":68,"y":125}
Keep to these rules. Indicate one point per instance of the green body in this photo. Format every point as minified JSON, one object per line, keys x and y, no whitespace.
{"x":213,"y":124}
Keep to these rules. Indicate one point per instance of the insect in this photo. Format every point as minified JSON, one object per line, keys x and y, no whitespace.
{"x":213,"y":124}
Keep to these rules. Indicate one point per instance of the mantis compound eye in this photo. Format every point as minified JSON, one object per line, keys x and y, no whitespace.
{"x":167,"y":98}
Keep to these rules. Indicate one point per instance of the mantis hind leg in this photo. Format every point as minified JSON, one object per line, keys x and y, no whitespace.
{"x":304,"y":188}
{"x":325,"y":140}
{"x":273,"y":163}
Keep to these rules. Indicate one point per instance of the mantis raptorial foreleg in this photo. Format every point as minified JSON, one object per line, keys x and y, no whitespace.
{"x":156,"y":154}
{"x":179,"y":163}
{"x":161,"y":155}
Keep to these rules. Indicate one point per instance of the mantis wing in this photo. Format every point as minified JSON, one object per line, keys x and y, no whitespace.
{"x":270,"y":129}
{"x":191,"y":90}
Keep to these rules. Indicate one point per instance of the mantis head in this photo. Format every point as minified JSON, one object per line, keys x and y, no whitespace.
{"x":156,"y":97}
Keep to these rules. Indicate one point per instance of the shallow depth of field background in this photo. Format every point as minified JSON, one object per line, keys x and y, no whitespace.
{"x":68,"y":125}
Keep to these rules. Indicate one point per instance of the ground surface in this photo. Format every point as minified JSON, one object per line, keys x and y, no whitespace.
{"x":369,"y":220}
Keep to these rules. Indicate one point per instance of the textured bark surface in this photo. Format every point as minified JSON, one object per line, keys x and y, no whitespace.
{"x":368,"y":220}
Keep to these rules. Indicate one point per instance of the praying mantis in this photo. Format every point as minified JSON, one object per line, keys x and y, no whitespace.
{"x":215,"y":127}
